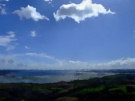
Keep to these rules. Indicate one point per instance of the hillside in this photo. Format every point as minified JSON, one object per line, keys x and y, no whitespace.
{"x":119,"y":87}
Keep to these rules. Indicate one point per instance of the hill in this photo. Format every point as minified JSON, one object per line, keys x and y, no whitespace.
{"x":119,"y":87}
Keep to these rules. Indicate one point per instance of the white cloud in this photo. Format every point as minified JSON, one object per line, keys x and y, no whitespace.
{"x":12,"y":33}
{"x":3,"y":9}
{"x":27,"y":61}
{"x":10,"y":47}
{"x":41,"y":55}
{"x":26,"y":47}
{"x":5,"y":41}
{"x":30,"y":12}
{"x":79,"y":12}
{"x":33,"y":34}
{"x":123,"y":63}
{"x":42,"y":61}
{"x":49,"y":1}
{"x":5,"y":0}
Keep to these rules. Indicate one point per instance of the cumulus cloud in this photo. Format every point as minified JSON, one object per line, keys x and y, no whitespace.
{"x":41,"y":55}
{"x":49,"y":1}
{"x":27,"y":61}
{"x":10,"y":62}
{"x":42,"y":61}
{"x":5,"y":0}
{"x":123,"y":63}
{"x":79,"y":12}
{"x":3,"y":9}
{"x":5,"y":41}
{"x":30,"y":12}
{"x":26,"y":47}
{"x":33,"y":34}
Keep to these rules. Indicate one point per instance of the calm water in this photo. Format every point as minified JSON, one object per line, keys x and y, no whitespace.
{"x":46,"y":76}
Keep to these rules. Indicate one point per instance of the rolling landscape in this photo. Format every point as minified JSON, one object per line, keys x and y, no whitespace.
{"x":118,"y":87}
{"x":112,"y":85}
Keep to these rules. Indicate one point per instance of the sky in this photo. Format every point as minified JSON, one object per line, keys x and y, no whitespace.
{"x":67,"y":34}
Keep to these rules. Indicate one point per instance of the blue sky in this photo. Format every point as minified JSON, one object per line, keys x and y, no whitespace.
{"x":58,"y":34}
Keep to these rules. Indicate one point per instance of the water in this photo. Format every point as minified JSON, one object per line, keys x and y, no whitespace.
{"x":46,"y":76}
